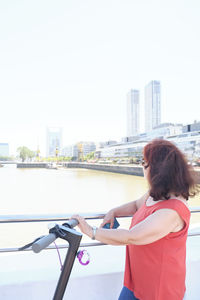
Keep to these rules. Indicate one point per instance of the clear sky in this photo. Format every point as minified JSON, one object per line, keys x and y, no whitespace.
{"x":71,"y":63}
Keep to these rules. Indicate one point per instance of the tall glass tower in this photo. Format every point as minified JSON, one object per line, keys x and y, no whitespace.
{"x":54,"y":141}
{"x":133,"y":112}
{"x":152,"y":105}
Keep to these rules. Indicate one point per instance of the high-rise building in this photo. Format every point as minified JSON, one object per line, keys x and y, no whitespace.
{"x":70,"y":151}
{"x":4,"y":149}
{"x":88,"y":147}
{"x":54,"y":141}
{"x":133,"y":112}
{"x":152,"y":105}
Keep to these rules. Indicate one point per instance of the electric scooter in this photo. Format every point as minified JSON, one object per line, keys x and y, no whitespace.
{"x":73,"y":237}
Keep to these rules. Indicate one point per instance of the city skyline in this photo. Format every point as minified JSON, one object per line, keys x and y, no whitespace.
{"x":61,"y":66}
{"x":54,"y":134}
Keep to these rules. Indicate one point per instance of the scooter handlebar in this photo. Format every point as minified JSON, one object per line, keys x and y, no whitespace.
{"x":71,"y":223}
{"x":43,"y":242}
{"x":50,"y":238}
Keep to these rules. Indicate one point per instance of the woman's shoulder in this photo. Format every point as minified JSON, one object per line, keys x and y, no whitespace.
{"x":177,"y":204}
{"x":179,"y":199}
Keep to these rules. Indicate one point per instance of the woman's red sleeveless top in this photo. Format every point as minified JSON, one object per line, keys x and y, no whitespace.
{"x":157,"y":271}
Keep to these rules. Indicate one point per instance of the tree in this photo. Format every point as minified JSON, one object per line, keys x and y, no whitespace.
{"x":89,"y":156}
{"x":25,"y":153}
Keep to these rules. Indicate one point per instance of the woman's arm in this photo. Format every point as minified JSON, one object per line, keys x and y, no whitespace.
{"x":153,"y":228}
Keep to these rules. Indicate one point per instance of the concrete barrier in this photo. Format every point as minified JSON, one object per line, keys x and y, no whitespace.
{"x":32,"y":165}
{"x":122,"y":169}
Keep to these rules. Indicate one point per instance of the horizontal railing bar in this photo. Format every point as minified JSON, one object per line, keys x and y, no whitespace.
{"x":45,"y":217}
{"x":3,"y":250}
{"x":193,"y":233}
{"x":60,"y":217}
{"x":93,"y":244}
{"x":194,"y":209}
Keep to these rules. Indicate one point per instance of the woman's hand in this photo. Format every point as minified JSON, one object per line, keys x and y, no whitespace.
{"x":109,"y":218}
{"x":83,"y":225}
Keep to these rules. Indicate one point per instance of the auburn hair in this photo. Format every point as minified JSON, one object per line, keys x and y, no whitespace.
{"x":169,"y":171}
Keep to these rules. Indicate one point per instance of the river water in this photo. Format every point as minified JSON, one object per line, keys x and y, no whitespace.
{"x":46,"y":191}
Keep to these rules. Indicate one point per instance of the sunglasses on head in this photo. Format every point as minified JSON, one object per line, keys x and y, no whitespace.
{"x":145,"y":164}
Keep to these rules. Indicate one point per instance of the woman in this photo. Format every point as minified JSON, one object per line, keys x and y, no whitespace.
{"x":156,"y":241}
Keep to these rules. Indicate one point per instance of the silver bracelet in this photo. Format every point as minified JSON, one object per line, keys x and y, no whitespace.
{"x":94,"y":229}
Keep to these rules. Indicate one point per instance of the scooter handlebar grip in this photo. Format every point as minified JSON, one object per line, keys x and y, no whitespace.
{"x":43,"y":242}
{"x":72,"y":223}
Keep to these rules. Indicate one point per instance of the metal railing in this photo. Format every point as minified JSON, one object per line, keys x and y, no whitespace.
{"x":45,"y":218}
{"x":64,"y":217}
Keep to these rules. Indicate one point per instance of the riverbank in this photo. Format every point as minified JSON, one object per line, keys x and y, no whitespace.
{"x":135,"y":170}
{"x":122,"y":169}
